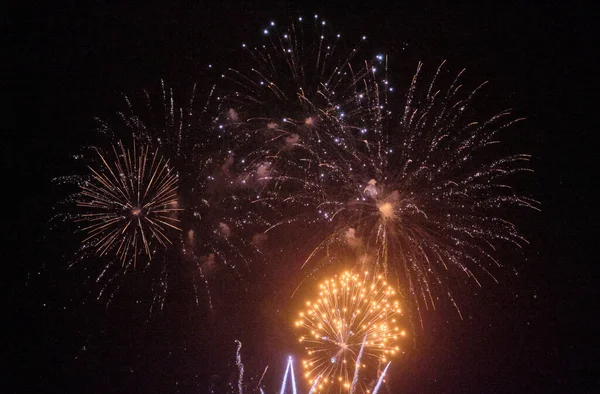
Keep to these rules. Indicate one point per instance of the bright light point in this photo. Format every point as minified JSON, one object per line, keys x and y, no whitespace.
{"x":265,"y":31}
{"x":387,"y":210}
{"x":272,"y":23}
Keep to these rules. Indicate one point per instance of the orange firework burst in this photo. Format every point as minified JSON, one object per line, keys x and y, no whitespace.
{"x":351,"y":327}
{"x":130,"y":202}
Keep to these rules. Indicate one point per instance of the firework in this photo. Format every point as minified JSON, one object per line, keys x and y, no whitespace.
{"x":186,"y":212}
{"x":428,"y":194}
{"x":299,"y":105}
{"x":414,"y":186}
{"x":351,"y":327}
{"x":130,"y":202}
{"x":305,"y":128}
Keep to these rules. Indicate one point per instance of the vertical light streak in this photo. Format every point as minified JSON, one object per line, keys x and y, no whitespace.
{"x":312,"y":388}
{"x":238,"y":361}
{"x":360,"y":353}
{"x":289,"y":370}
{"x":262,"y":377}
{"x":381,"y":378}
{"x":291,"y":366}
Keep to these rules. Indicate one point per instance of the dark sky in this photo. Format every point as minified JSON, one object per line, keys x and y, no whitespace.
{"x":67,"y":63}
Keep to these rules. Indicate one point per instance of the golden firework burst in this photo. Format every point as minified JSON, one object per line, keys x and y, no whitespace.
{"x":352,"y":326}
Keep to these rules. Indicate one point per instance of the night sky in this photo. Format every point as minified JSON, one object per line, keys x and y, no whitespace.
{"x":68,"y":63}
